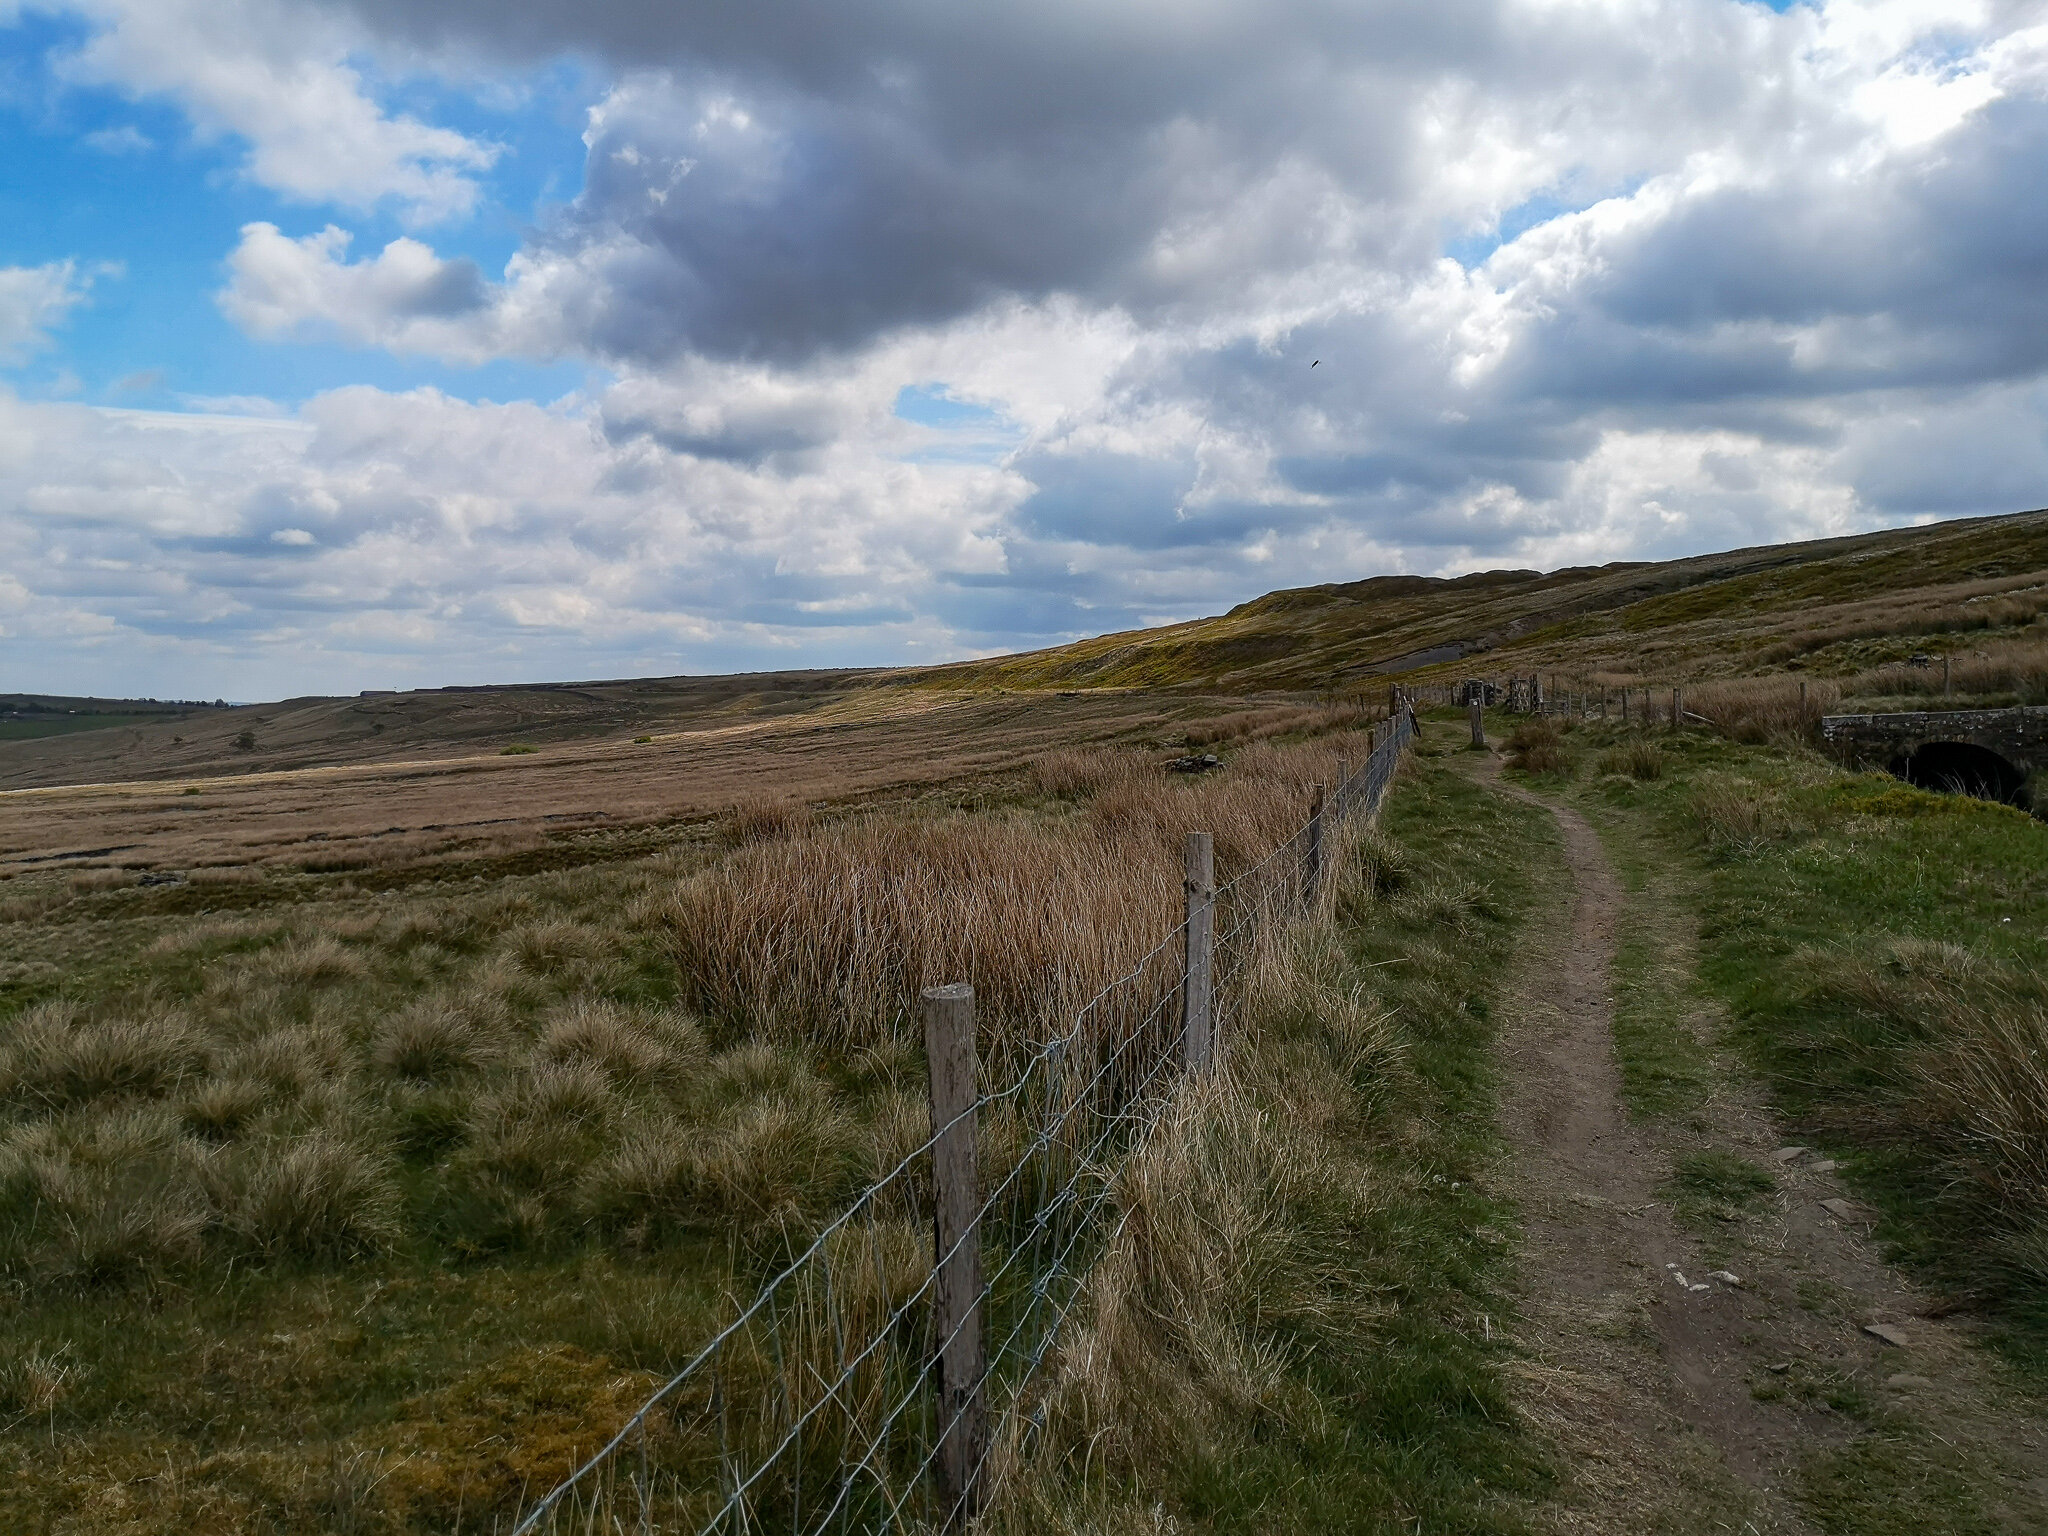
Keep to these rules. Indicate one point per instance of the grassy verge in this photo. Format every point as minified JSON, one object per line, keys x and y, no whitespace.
{"x":1881,"y":952}
{"x":1298,"y":1329}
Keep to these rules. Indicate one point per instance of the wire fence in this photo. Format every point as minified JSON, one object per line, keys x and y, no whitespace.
{"x":816,"y":1407}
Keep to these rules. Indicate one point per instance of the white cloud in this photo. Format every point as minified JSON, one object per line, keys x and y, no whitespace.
{"x":124,"y":140}
{"x":284,"y":78}
{"x":34,"y":300}
{"x":1726,"y":276}
{"x":405,"y":298}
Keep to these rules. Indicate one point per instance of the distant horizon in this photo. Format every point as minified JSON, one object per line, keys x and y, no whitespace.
{"x":856,"y":668}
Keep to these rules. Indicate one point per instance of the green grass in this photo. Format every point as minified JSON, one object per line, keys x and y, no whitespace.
{"x":1859,"y":934}
{"x":1407,"y":1417}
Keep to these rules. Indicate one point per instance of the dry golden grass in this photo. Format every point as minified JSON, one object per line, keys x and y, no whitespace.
{"x":1536,"y":745}
{"x":1282,"y":720}
{"x":440,"y":808}
{"x":1764,"y":709}
{"x":1226,"y":1270}
{"x":825,"y":938}
{"x":2014,"y":670}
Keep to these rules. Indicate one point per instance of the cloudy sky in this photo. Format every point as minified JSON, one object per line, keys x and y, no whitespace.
{"x":371,"y":343}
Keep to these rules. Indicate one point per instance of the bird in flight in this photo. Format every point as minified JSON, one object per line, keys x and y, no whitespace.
{"x":1317,"y":363}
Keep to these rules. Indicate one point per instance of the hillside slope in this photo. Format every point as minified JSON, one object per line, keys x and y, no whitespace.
{"x":1827,"y":605}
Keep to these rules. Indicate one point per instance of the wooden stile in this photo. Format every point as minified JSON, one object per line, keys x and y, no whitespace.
{"x":959,"y":1363}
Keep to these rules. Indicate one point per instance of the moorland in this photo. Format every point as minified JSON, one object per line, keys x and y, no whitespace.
{"x":393,"y":1089}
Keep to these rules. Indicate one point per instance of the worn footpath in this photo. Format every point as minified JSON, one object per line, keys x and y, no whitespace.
{"x":1759,"y":1369}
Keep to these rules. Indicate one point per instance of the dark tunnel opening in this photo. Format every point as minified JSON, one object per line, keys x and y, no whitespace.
{"x":1963,"y":768}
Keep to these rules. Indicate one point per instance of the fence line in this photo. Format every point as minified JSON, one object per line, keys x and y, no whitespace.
{"x":812,"y":1410}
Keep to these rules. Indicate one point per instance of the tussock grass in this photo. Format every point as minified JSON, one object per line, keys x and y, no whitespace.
{"x":430,"y":1040}
{"x":1274,"y":1339}
{"x":1636,"y":758}
{"x":1537,"y":745}
{"x":55,"y":1058}
{"x":313,"y":1197}
{"x":824,"y":938}
{"x":1959,"y":1047}
{"x":761,"y":818}
{"x":1761,"y":709}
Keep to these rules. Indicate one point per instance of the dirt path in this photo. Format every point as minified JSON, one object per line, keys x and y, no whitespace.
{"x":1681,"y":1398}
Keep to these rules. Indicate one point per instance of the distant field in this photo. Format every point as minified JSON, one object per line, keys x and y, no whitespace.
{"x":34,"y":727}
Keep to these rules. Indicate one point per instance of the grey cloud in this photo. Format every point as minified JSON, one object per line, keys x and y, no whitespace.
{"x":773,"y":180}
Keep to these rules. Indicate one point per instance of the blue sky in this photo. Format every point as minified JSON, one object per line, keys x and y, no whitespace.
{"x":572,"y":345}
{"x":122,"y":186}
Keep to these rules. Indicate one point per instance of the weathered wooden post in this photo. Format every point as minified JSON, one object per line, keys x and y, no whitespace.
{"x":1315,"y":844}
{"x":959,"y":1363}
{"x":1198,"y":990}
{"x":1946,"y":691}
{"x":1478,"y":724}
{"x":1802,"y":703}
{"x":1677,"y":707}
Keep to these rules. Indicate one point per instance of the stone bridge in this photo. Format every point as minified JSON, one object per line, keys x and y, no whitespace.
{"x":1983,"y":752}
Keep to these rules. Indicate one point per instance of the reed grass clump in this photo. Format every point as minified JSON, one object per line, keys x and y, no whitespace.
{"x":1959,"y":1044}
{"x":1635,"y":758}
{"x":1756,"y":710}
{"x":823,"y":939}
{"x":762,"y":818}
{"x":1736,"y":818}
{"x":1537,"y":746}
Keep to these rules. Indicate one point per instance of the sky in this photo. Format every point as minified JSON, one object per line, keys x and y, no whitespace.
{"x":358,"y":344}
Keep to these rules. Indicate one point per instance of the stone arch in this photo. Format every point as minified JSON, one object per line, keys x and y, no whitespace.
{"x":1963,"y":767}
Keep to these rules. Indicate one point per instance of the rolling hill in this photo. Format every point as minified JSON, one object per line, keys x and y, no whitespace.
{"x":1827,"y":607}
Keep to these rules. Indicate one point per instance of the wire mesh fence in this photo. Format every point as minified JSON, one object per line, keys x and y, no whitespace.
{"x":858,"y":1391}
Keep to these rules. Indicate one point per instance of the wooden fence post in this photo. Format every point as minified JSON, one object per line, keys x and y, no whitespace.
{"x":959,"y":1363}
{"x":1677,"y":707}
{"x":1315,"y":843}
{"x":1478,"y":724}
{"x":1802,"y":703}
{"x":1946,"y":692}
{"x":1198,"y":992}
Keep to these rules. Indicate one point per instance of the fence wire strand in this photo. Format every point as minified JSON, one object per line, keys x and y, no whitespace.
{"x":812,"y":1409}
